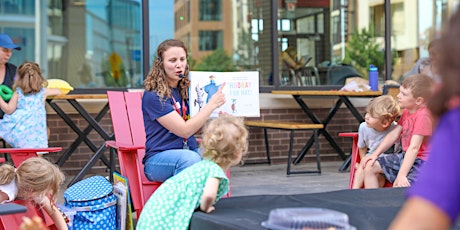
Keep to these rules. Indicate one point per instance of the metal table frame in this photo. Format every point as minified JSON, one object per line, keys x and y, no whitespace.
{"x":93,"y":124}
{"x":343,"y":98}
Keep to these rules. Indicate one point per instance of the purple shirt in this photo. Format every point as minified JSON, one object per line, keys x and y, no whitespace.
{"x":439,"y":180}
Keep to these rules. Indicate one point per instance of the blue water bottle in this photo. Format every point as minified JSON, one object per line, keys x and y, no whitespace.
{"x":374,"y":77}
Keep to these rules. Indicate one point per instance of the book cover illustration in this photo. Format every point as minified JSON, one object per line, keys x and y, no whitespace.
{"x":241,"y":92}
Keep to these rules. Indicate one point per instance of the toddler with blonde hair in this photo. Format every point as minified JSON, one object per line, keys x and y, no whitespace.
{"x":225,"y":140}
{"x":381,"y":113}
{"x":36,"y":180}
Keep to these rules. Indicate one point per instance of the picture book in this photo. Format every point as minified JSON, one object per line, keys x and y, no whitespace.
{"x":119,"y":179}
{"x":241,"y":92}
{"x":121,"y":192}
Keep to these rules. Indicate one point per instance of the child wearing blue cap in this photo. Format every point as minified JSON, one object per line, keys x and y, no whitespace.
{"x":7,"y":70}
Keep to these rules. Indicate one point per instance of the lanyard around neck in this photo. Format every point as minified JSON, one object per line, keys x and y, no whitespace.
{"x":184,"y":115}
{"x":184,"y":109}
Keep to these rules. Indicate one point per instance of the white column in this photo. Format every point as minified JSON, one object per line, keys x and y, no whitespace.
{"x":41,"y":35}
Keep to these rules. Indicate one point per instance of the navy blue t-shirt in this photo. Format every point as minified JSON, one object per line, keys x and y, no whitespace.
{"x":158,"y":138}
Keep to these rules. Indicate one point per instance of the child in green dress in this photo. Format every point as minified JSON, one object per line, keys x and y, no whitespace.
{"x":225,"y":140}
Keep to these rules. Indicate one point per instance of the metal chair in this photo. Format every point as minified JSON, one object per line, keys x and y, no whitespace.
{"x":309,"y":76}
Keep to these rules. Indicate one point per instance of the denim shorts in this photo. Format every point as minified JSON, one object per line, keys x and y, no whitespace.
{"x":391,"y":164}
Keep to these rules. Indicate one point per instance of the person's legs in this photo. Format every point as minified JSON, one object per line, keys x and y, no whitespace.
{"x":358,"y":180}
{"x":168,"y":163}
{"x":415,"y":170}
{"x":386,"y":167}
{"x":373,"y":176}
{"x":382,"y":180}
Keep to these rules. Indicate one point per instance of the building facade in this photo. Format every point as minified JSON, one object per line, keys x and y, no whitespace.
{"x":99,"y":44}
{"x":111,"y":44}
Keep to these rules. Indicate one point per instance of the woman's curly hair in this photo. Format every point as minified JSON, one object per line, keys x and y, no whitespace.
{"x":156,"y":79}
{"x":224,"y":139}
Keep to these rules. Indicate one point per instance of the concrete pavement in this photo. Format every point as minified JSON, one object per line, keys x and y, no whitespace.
{"x":272,"y":179}
{"x":266,"y":179}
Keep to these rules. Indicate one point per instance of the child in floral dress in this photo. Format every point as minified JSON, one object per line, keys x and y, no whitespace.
{"x":24,"y":122}
{"x":200,"y":185}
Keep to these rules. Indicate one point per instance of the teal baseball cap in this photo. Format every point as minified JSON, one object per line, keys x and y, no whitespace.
{"x":6,"y":42}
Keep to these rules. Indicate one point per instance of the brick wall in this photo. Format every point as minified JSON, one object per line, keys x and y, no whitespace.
{"x":63,"y":136}
{"x":343,"y":121}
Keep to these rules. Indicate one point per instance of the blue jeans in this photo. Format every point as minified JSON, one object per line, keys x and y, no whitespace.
{"x":166,"y":164}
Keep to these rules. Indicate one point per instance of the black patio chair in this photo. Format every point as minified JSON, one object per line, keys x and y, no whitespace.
{"x":338,"y":74}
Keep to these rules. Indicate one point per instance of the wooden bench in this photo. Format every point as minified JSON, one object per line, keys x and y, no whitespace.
{"x":291,"y":126}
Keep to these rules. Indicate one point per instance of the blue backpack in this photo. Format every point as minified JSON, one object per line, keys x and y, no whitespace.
{"x":94,"y":203}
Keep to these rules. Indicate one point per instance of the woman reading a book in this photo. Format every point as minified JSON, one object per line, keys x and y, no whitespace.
{"x":170,"y":145}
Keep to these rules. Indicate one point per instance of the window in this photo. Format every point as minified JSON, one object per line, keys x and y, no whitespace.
{"x":68,"y":45}
{"x":284,"y":25}
{"x":210,"y":10}
{"x":17,"y":7}
{"x":377,"y":17}
{"x":336,"y":30}
{"x":257,"y":26}
{"x":210,"y":40}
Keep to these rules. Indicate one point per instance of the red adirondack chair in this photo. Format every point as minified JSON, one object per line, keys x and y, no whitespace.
{"x":355,"y":158}
{"x":128,"y":128}
{"x":13,"y":221}
{"x":354,"y":155}
{"x":18,"y":155}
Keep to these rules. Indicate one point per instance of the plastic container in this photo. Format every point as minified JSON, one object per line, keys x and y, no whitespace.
{"x":306,"y":218}
{"x":374,"y":77}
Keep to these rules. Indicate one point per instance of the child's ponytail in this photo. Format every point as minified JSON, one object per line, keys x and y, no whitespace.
{"x":6,"y":173}
{"x":30,"y":78}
